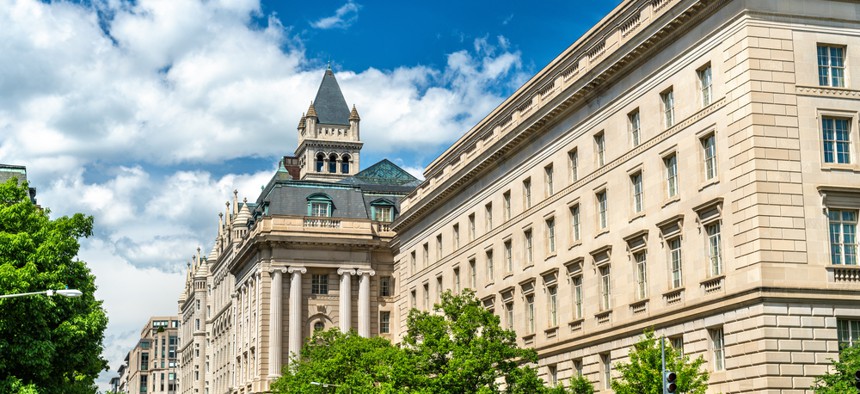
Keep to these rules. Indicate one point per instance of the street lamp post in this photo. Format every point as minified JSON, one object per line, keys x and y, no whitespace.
{"x":49,"y":293}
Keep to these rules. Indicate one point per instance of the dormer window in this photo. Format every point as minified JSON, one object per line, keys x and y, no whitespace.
{"x":382,"y":210}
{"x":320,"y":205}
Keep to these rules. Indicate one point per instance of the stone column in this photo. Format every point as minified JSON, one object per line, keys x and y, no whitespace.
{"x":296,"y":309}
{"x":345,"y":298}
{"x":275,"y":329}
{"x":364,"y":302}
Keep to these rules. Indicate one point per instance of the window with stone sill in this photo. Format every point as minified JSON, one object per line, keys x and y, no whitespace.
{"x":577,"y":297}
{"x":529,"y":247}
{"x":635,"y":127}
{"x":573,"y":164}
{"x":550,"y":236}
{"x":637,"y":192}
{"x":605,"y":288}
{"x":548,"y":180}
{"x":488,"y":215}
{"x":439,"y":247}
{"x":425,"y":254}
{"x":552,"y":305}
{"x":667,"y":99}
{"x":319,"y":284}
{"x":718,"y":348}
{"x":509,"y":258}
{"x":530,"y":314}
{"x":575,"y":230}
{"x":670,"y":164}
{"x":385,"y":288}
{"x":385,"y":322}
{"x":705,"y":85}
{"x":506,"y":199}
{"x":457,"y":280}
{"x":490,"y":266}
{"x":831,"y":65}
{"x":848,"y":332}
{"x":843,"y":236}
{"x":709,"y":156}
{"x":600,"y":149}
{"x":602,"y":208}
{"x":456,"y":230}
{"x":836,"y":139}
{"x":527,"y":193}
{"x":320,"y":205}
{"x":473,"y":274}
{"x":675,"y":263}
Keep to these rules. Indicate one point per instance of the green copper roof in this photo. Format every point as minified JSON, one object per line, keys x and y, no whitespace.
{"x":383,"y":173}
{"x":330,"y":105}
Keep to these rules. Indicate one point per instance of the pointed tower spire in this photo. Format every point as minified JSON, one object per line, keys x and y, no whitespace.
{"x":312,"y":112}
{"x":353,"y":115}
{"x":235,"y":202}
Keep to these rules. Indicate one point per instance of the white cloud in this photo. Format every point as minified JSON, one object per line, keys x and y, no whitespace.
{"x":343,"y":17}
{"x":120,"y":117}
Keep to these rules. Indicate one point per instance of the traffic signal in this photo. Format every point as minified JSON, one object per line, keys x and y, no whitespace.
{"x":857,"y":379}
{"x":669,"y":382}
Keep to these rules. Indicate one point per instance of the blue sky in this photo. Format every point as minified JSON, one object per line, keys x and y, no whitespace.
{"x":147,"y":114}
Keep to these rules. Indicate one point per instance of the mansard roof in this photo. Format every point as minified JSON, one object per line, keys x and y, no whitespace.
{"x":329,"y":104}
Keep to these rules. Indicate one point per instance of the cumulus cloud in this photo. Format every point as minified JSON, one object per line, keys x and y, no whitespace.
{"x":343,"y":17}
{"x":117,"y":107}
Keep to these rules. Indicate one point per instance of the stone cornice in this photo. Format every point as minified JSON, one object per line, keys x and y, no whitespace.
{"x":825,"y":91}
{"x":523,"y":121}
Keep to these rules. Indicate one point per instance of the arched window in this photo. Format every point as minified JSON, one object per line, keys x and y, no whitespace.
{"x":344,"y":164}
{"x":332,"y":163}
{"x":319,"y":162}
{"x":320,"y":205}
{"x":382,"y":210}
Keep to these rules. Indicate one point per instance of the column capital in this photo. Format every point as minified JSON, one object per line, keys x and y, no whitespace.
{"x":346,"y":271}
{"x":274,"y":270}
{"x":299,"y":270}
{"x":362,"y":272}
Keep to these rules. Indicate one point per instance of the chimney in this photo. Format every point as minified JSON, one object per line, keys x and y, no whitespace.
{"x":293,"y":166}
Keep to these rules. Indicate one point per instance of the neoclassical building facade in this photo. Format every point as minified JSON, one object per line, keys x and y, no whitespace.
{"x":687,"y":166}
{"x":311,"y":252}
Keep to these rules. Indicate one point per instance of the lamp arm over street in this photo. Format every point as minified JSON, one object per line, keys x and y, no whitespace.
{"x":49,"y":293}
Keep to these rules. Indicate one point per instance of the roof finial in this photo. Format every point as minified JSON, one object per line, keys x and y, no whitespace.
{"x":328,"y":66}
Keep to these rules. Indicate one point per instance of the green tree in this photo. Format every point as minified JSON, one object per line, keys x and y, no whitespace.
{"x":461,"y":348}
{"x":642,"y":375}
{"x":353,"y":363}
{"x":47,"y":344}
{"x":841,"y":378}
{"x":580,"y":385}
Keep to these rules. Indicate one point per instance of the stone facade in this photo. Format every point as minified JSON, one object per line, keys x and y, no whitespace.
{"x":311,"y":252}
{"x":681,"y":167}
{"x":151,"y":367}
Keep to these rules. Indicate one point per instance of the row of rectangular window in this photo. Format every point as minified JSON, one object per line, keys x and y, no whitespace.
{"x":320,"y":285}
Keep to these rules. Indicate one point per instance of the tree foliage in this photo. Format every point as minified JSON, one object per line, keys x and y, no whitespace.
{"x":460,"y":348}
{"x":642,"y":375}
{"x":48,"y":344}
{"x":840,"y":379}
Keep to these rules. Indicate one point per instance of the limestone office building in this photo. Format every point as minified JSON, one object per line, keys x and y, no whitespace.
{"x":689,"y":166}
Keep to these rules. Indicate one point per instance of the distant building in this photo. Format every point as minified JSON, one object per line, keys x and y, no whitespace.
{"x":152,"y":366}
{"x":311,"y":252}
{"x":8,"y":171}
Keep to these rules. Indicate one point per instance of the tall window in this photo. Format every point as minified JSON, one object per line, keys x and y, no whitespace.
{"x":550,"y":235}
{"x":635,"y":129}
{"x":836,"y":137}
{"x":506,"y":202}
{"x":705,"y":84}
{"x":848,"y":332}
{"x":709,"y":154}
{"x":438,"y":247}
{"x":457,"y":280}
{"x":332,"y":163}
{"x":344,"y":164}
{"x":605,"y":289}
{"x":641,"y":276}
{"x":577,"y":297}
{"x":412,"y":262}
{"x":472,"y":227}
{"x":547,"y":180}
{"x":636,"y":189}
{"x":831,"y":66}
{"x":490,"y":271}
{"x":843,"y":236}
{"x":385,"y":286}
{"x":675,"y":263}
{"x":439,"y":289}
{"x":529,"y":247}
{"x":668,"y":100}
{"x":488,"y":214}
{"x":577,"y":367}
{"x":509,"y":316}
{"x":413,"y":299}
{"x":606,"y":367}
{"x":473,"y":274}
{"x":527,"y":193}
{"x":320,"y":160}
{"x":600,"y":149}
{"x":552,"y":371}
{"x":718,"y":347}
{"x":574,"y":223}
{"x":456,"y":236}
{"x":319,"y":284}
{"x":425,"y":254}
{"x":714,"y":248}
{"x":530,"y":314}
{"x":573,"y":162}
{"x":602,"y":220}
{"x":671,"y":164}
{"x":509,"y":258}
{"x":678,"y":344}
{"x":426,"y":297}
{"x":385,"y":322}
{"x":552,"y":305}
{"x":383,"y":213}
